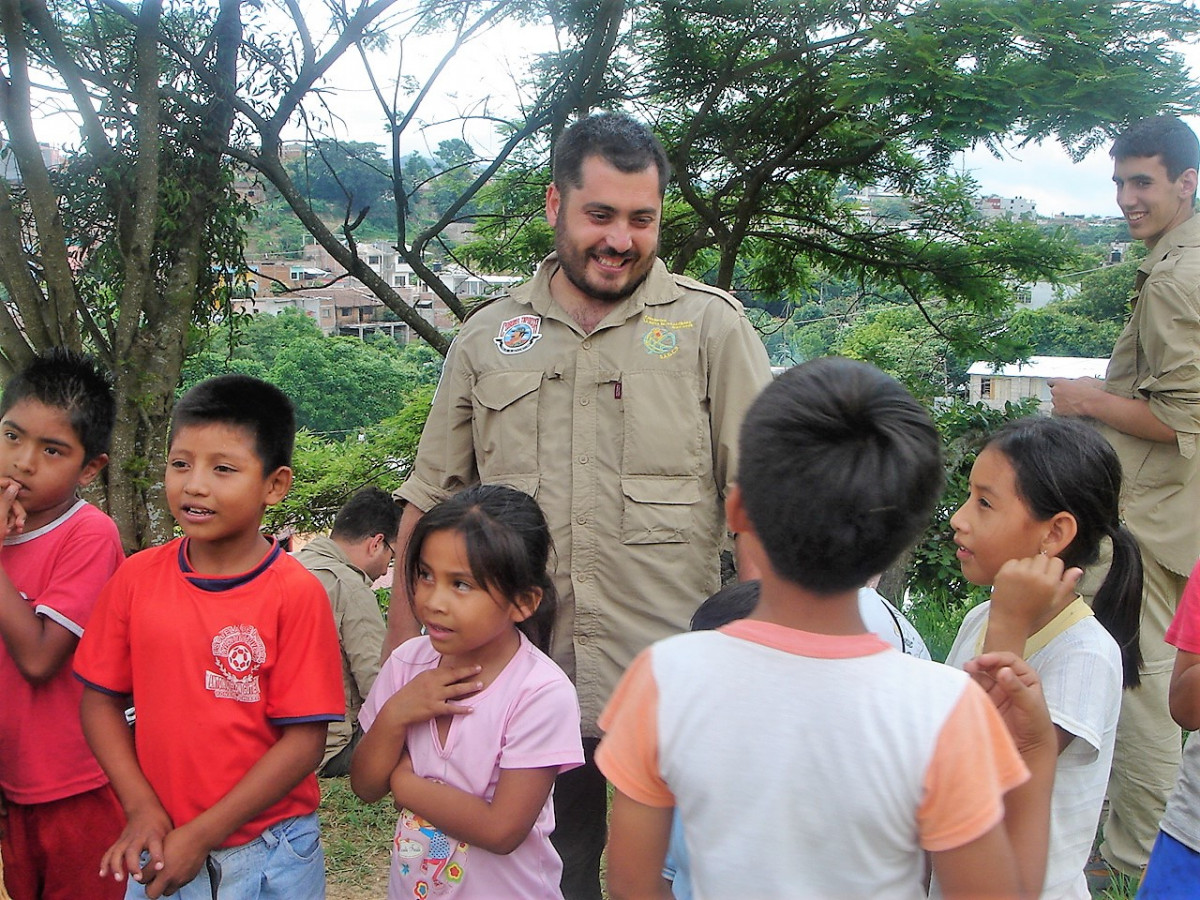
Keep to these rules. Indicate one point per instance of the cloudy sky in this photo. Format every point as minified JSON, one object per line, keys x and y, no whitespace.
{"x":1043,"y":173}
{"x":1047,"y":176}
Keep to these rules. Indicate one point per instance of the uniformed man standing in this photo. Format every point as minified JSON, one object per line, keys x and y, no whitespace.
{"x":1148,"y":406}
{"x":612,"y":391}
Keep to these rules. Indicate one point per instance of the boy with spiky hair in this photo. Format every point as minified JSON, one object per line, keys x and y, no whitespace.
{"x":229,"y":650}
{"x":881,"y":757}
{"x":56,"y":417}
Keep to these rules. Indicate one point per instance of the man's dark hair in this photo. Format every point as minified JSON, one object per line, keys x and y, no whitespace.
{"x":76,"y":384}
{"x":624,"y":143}
{"x":1165,"y":136}
{"x":243,"y":402}
{"x":368,"y":513}
{"x":840,"y":469}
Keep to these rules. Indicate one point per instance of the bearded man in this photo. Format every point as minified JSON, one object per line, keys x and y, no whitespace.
{"x":612,"y":391}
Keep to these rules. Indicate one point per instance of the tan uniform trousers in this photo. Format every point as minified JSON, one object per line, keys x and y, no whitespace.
{"x":1149,"y":743}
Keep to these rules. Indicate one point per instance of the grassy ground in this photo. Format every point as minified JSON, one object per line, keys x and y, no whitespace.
{"x":358,"y":839}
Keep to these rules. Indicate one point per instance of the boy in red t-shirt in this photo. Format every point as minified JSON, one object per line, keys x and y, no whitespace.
{"x":229,"y":650}
{"x":60,"y":814}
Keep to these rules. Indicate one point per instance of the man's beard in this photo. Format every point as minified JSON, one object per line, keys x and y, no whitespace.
{"x":574,"y":262}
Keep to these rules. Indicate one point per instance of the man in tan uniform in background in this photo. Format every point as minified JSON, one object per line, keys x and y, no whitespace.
{"x":1148,"y":406}
{"x":357,"y":552}
{"x":612,"y":391}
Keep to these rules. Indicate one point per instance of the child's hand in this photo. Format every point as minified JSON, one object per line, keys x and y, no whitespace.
{"x":1016,"y":691}
{"x":185,"y":854}
{"x":1028,"y":593}
{"x":12,"y":513}
{"x":144,"y":832}
{"x":432,"y":693}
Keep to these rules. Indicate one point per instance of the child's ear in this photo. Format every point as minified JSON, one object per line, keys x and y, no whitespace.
{"x":278,"y":484}
{"x":1062,"y":530}
{"x":735,"y":511}
{"x":526,"y":605}
{"x":92,"y":468}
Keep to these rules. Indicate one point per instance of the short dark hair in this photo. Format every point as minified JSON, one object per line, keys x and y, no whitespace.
{"x":840,"y":469}
{"x":624,"y":143}
{"x":1165,"y":136}
{"x":243,"y":402}
{"x":508,"y":547}
{"x":76,"y":384}
{"x":730,"y":603}
{"x":1064,"y":465}
{"x":367,"y":513}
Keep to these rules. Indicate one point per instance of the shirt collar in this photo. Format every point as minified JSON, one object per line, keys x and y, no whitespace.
{"x":659,"y":288}
{"x":1185,"y":234}
{"x":218,"y":583}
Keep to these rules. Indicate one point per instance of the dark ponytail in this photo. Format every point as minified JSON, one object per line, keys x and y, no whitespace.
{"x":1063,"y":465}
{"x":1118,"y":603}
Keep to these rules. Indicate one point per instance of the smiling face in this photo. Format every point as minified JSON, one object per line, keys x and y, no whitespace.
{"x":463,"y":619}
{"x":217,"y":492}
{"x":606,"y":229}
{"x":40,"y":451}
{"x":1151,"y":202}
{"x":995,"y":524}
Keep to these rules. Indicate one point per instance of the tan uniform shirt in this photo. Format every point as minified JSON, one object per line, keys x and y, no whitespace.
{"x":360,"y":626}
{"x":1157,"y":358}
{"x":626,"y":436}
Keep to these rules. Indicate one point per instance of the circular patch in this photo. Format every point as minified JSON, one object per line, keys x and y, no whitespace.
{"x":660,"y":341}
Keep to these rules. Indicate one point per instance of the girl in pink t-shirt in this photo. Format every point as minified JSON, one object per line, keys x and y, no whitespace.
{"x":469,"y":724}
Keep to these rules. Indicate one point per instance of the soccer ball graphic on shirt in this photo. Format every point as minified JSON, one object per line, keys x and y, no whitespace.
{"x":239,"y":652}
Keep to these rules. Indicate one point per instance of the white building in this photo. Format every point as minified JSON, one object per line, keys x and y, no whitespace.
{"x":1007,"y":384}
{"x":995,"y":207}
{"x":1040,"y":293}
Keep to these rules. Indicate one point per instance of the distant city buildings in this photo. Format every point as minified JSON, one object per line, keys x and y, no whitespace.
{"x":52,"y":158}
{"x":317,"y":285}
{"x":996,"y":207}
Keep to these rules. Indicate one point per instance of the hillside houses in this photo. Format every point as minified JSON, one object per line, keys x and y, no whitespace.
{"x":319,"y":287}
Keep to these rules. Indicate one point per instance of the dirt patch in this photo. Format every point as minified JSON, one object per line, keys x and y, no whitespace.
{"x":373,"y":888}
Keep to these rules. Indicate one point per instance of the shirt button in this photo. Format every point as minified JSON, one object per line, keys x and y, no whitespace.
{"x":581,"y":577}
{"x":581,"y":520}
{"x":583,"y":639}
{"x":587,"y":345}
{"x":583,"y":402}
{"x":583,"y":460}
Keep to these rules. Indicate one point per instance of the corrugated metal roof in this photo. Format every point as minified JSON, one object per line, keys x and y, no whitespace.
{"x":1045,"y":367}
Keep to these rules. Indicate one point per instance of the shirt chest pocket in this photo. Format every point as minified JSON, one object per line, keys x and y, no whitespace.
{"x":504,"y":424}
{"x":664,"y":424}
{"x":663,"y":456}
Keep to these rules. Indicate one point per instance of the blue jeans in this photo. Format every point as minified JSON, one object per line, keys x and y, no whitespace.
{"x":285,"y":862}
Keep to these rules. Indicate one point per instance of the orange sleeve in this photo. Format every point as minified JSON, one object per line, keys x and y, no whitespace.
{"x":975,"y":763}
{"x":628,"y":754}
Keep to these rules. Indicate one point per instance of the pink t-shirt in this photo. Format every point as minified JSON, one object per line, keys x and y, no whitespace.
{"x":1184,"y":630}
{"x":59,"y":570}
{"x":528,"y":718}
